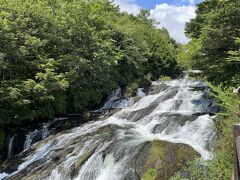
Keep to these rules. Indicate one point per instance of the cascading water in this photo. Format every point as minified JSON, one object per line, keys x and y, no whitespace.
{"x":23,"y":139}
{"x":40,"y":133}
{"x":10,"y":145}
{"x":117,"y":100}
{"x":107,"y":149}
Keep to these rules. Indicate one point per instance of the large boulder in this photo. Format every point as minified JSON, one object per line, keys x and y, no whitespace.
{"x":161,"y":159}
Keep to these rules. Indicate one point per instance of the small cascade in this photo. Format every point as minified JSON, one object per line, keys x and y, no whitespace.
{"x":10,"y":146}
{"x":116,"y":101}
{"x":113,"y":100}
{"x":28,"y":140}
{"x":23,"y":139}
{"x":37,"y":135}
{"x":140,"y":92}
{"x":113,"y":148}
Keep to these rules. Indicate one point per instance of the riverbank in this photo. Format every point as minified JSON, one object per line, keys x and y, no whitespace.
{"x":221,"y":165}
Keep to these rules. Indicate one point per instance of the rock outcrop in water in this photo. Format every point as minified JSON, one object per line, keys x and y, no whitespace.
{"x":158,"y":131}
{"x":164,"y":158}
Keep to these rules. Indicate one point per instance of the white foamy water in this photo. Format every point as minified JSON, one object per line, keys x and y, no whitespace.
{"x":104,"y":149}
{"x":10,"y":145}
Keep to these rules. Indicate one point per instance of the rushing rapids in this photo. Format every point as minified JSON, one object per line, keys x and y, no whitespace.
{"x":113,"y":147}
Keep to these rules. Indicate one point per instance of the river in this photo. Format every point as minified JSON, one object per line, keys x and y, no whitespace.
{"x":176,"y":111}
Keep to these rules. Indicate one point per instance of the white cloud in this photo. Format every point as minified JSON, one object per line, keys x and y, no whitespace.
{"x":173,"y":18}
{"x":128,"y":6}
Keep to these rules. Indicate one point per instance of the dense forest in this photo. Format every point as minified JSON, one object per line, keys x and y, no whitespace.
{"x":214,"y":46}
{"x":215,"y":49}
{"x":59,"y":57}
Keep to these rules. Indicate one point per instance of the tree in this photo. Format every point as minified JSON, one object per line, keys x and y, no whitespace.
{"x":216,"y":28}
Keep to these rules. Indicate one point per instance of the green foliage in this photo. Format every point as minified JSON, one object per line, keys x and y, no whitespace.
{"x":188,"y":53}
{"x":132,"y":88}
{"x":194,"y":169}
{"x":215,"y":29}
{"x":150,"y":174}
{"x":165,"y":78}
{"x":59,"y":56}
{"x":234,"y":56}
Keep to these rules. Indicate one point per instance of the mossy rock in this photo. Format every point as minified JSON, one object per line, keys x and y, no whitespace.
{"x":164,"y":159}
{"x":165,"y":78}
{"x":150,"y":174}
{"x":131,"y":88}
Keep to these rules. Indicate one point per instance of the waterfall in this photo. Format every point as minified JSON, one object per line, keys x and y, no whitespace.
{"x":10,"y":146}
{"x":24,"y":139}
{"x":40,"y":133}
{"x":175,"y":111}
{"x":113,"y":99}
{"x":140,"y":92}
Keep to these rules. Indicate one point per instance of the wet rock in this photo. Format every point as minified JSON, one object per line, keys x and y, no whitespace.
{"x":10,"y":165}
{"x":139,"y":114}
{"x":132,"y":175}
{"x":2,"y":144}
{"x":93,"y":115}
{"x":82,"y":159}
{"x":37,"y":133}
{"x":47,"y":163}
{"x":143,"y":112}
{"x":157,"y":89}
{"x":173,"y":121}
{"x":160,"y":159}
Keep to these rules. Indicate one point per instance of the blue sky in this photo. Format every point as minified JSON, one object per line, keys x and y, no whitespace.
{"x":150,"y":4}
{"x":170,"y":14}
